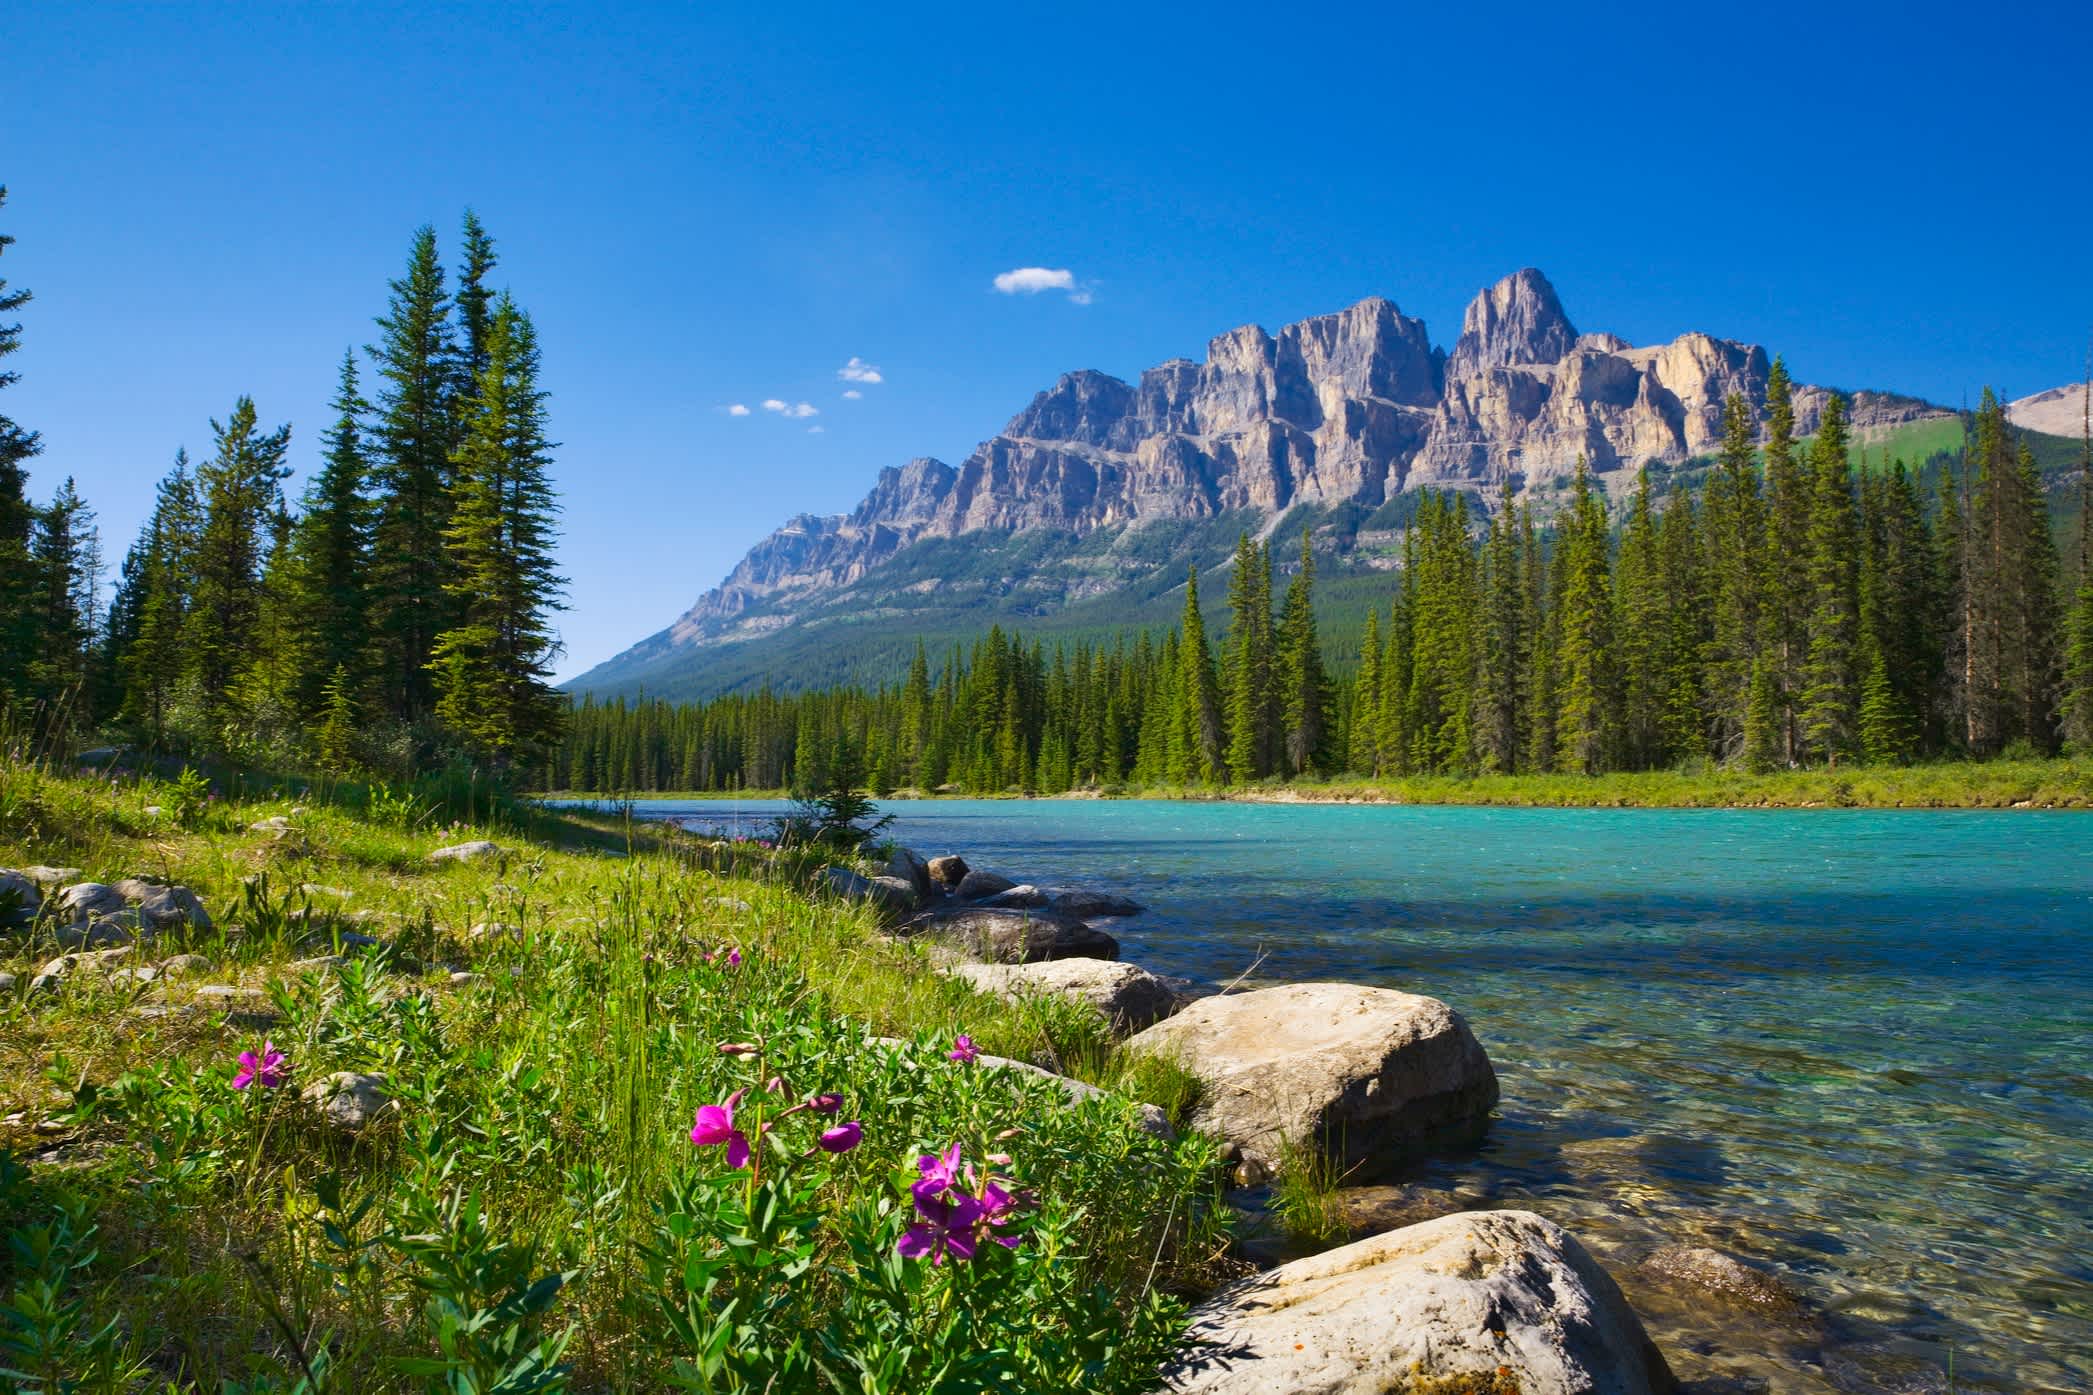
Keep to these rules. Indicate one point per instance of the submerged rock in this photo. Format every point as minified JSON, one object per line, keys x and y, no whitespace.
{"x":1504,"y":1301}
{"x":1367,"y":1075}
{"x":1129,"y":996}
{"x":1014,"y":937}
{"x":1725,"y":1277}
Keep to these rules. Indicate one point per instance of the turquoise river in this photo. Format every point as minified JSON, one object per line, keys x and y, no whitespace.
{"x":1854,"y":1048}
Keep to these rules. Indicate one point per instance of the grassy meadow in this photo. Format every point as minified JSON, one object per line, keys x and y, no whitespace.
{"x":553,"y":1028}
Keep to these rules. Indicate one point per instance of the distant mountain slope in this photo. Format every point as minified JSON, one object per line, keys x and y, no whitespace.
{"x":2059,"y":412}
{"x":1101,"y":490}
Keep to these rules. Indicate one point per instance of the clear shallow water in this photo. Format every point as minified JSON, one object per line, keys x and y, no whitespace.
{"x":1850,"y":1046}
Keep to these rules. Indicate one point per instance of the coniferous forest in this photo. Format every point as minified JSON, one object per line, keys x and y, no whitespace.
{"x":397,"y":615}
{"x":1786,"y":612}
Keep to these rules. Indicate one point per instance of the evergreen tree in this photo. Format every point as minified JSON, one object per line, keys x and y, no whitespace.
{"x":492,"y":668}
{"x":1248,"y":662}
{"x":1544,"y":623}
{"x":475,"y":302}
{"x":1364,"y":746}
{"x":1502,"y":655}
{"x":1735,"y":525}
{"x":2078,"y":644}
{"x":1832,"y":673}
{"x":1785,"y":621}
{"x":1587,"y":719}
{"x":65,"y":562}
{"x":18,"y":618}
{"x":411,"y":598}
{"x":1763,"y":734}
{"x":330,"y":562}
{"x":162,"y":568}
{"x":1199,"y":698}
{"x":1302,"y":680}
{"x":1685,"y":725}
{"x":241,"y":489}
{"x":1641,"y":633}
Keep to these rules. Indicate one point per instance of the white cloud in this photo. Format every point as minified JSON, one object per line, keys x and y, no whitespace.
{"x":790,"y":409}
{"x":772,"y":404}
{"x":852,"y":394}
{"x":859,"y":371}
{"x":736,"y":409}
{"x":816,"y":430}
{"x":1031,"y":280}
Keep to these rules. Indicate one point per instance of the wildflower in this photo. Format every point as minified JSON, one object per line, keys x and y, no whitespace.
{"x":825,"y":1104}
{"x":270,"y":1069}
{"x":738,"y":1048}
{"x":842,"y":1138}
{"x":998,"y":1208}
{"x":731,"y":957}
{"x":940,"y":1171}
{"x":963,"y":1050}
{"x":714,"y":1125}
{"x":947,"y":1228}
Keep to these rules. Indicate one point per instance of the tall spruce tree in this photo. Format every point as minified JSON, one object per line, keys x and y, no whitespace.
{"x":412,"y":598}
{"x":2077,"y":705}
{"x":1641,"y":633}
{"x":1364,"y":727}
{"x":1587,"y":722}
{"x":1247,"y":663}
{"x":1501,"y":654}
{"x":1306,"y":688}
{"x":1685,"y":724}
{"x":491,"y":669}
{"x":1201,"y":758}
{"x":1832,"y":673}
{"x":330,"y":562}
{"x":1735,"y":526}
{"x":65,"y":562}
{"x":1785,"y":559}
{"x":163,"y":569}
{"x":18,"y":619}
{"x":241,"y":490}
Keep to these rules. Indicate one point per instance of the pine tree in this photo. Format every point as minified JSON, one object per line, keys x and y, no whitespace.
{"x":1685,"y":724}
{"x":1364,"y":748}
{"x":1588,"y":712}
{"x":1735,"y":525}
{"x":1831,"y":675}
{"x":331,"y":558}
{"x":475,"y":302}
{"x":65,"y":564}
{"x":411,"y":600}
{"x":164,"y":564}
{"x":2078,"y":645}
{"x":18,"y":619}
{"x":1502,"y":654}
{"x":241,"y":488}
{"x":1764,"y":737}
{"x":1785,"y":622}
{"x":335,"y":739}
{"x":1537,"y":698}
{"x":1640,"y":634}
{"x":1199,"y":699}
{"x":492,"y":668}
{"x":1248,"y":663}
{"x":1303,"y":683}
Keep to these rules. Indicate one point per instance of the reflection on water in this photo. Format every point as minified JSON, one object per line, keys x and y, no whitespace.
{"x":1851,"y":1047}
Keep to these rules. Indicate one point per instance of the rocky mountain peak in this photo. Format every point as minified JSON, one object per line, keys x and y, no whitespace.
{"x":1518,"y":320}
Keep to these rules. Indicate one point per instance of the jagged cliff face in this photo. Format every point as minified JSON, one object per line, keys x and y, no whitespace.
{"x":1354,"y":407}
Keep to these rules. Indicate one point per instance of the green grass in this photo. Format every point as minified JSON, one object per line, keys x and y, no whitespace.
{"x":535,"y":1216}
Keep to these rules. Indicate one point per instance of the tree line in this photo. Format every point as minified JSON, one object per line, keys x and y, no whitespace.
{"x":1784,"y":611}
{"x":398,"y":614}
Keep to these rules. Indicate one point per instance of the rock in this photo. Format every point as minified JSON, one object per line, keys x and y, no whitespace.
{"x":1017,"y":898}
{"x":162,"y":907}
{"x":84,"y":900}
{"x":1014,"y":937}
{"x":1129,"y":996}
{"x":891,"y":894}
{"x":275,"y":825}
{"x":351,"y":1101}
{"x":19,"y":897}
{"x":83,"y":965}
{"x":185,"y":966}
{"x":730,"y":903}
{"x":495,"y":930}
{"x":7,"y":982}
{"x":905,"y":865}
{"x":1368,"y":1075}
{"x":119,"y":929}
{"x":476,"y":851}
{"x":948,"y":871}
{"x":463,"y":979}
{"x":1713,"y":1272}
{"x":975,"y":885}
{"x":1085,"y":904}
{"x":153,"y":811}
{"x":50,"y":878}
{"x":1501,"y":1300}
{"x":228,"y":995}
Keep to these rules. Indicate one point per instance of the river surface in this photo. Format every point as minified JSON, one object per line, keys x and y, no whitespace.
{"x":1850,"y":1047}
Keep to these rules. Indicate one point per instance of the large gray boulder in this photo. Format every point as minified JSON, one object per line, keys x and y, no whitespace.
{"x":1014,"y":937}
{"x":1481,"y":1301}
{"x":977,"y":884}
{"x":1018,"y":898}
{"x":83,"y":901}
{"x":1129,"y":996}
{"x":891,"y":894}
{"x":51,"y":878}
{"x":905,"y":865}
{"x":162,"y":907}
{"x":1367,"y":1075}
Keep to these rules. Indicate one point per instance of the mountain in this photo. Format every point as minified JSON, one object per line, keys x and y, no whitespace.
{"x":1094,"y":498}
{"x":2059,"y":412}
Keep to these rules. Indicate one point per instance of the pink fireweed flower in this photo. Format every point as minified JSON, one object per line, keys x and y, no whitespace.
{"x":947,"y":1228}
{"x":825,"y":1104}
{"x":731,"y":957}
{"x":998,"y":1208}
{"x":714,"y":1125}
{"x":842,"y":1138}
{"x":269,"y":1069}
{"x":963,"y":1050}
{"x":738,"y":1048}
{"x":939,"y":1172}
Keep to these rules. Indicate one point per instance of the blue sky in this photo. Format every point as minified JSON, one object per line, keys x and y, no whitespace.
{"x":718,"y":204}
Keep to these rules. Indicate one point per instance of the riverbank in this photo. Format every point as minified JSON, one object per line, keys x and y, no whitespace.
{"x":322,"y":1101}
{"x":2063,"y":783}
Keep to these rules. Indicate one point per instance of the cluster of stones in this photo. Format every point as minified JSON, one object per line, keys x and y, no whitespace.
{"x":1368,"y":1077}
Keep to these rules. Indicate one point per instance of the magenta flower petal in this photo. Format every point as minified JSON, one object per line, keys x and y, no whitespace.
{"x":738,"y":1150}
{"x":712,"y":1127}
{"x":917,"y":1242}
{"x":825,"y":1104}
{"x":842,"y":1138}
{"x":963,"y":1050}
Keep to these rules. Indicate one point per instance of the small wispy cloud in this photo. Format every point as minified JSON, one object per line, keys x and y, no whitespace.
{"x":790,"y":409}
{"x":736,"y":409}
{"x":859,"y":371}
{"x":852,"y":394}
{"x":816,"y":430}
{"x":1031,"y":280}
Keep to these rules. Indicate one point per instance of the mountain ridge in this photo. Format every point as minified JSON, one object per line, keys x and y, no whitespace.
{"x":1350,"y":409}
